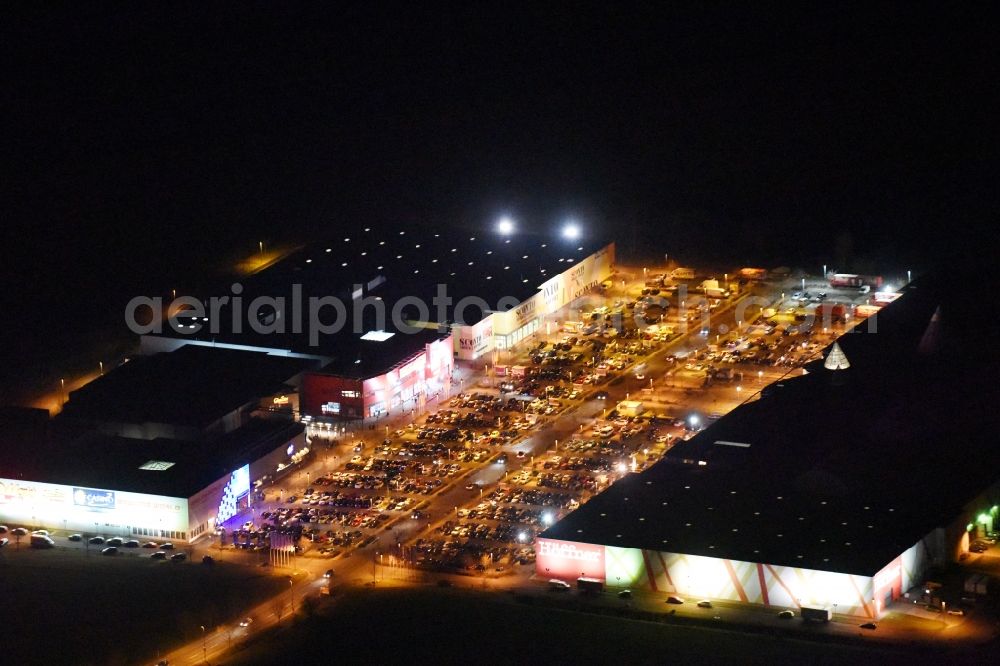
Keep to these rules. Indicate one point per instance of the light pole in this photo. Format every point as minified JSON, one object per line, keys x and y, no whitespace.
{"x":101,"y":365}
{"x":204,"y":644}
{"x":291,"y":595}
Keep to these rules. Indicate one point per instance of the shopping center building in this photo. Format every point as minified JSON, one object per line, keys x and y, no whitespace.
{"x":413,"y":303}
{"x":167,"y":446}
{"x":837,"y":489}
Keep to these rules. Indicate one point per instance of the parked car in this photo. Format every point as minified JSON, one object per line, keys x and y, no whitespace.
{"x":75,"y":537}
{"x":178,"y":557}
{"x":158,"y":555}
{"x":115,"y":541}
{"x":704,"y":603}
{"x":869,"y":625}
{"x":110,"y":550}
{"x":150,"y":544}
{"x":674,"y":600}
{"x":131,"y":543}
{"x":246,"y":622}
{"x":786,"y":614}
{"x":95,"y":541}
{"x":625,"y":594}
{"x":42,"y":541}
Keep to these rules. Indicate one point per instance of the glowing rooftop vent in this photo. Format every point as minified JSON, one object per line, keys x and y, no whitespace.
{"x":377,"y":336}
{"x":156,"y":465}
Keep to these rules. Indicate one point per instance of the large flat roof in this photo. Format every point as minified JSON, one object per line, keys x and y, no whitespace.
{"x":484,"y":264}
{"x":391,"y":264}
{"x":192,"y":386}
{"x":836,"y":470}
{"x":94,"y":460}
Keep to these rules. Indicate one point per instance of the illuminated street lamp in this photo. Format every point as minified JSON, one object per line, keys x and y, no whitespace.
{"x":505,"y":226}
{"x":571,"y":231}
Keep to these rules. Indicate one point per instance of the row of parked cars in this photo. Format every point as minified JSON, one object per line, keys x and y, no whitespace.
{"x":43,"y":539}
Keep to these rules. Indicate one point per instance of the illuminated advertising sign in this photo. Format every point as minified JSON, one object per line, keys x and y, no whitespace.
{"x":569,"y":560}
{"x":241,"y":480}
{"x":94,"y":499}
{"x":237,"y":488}
{"x":475,"y":340}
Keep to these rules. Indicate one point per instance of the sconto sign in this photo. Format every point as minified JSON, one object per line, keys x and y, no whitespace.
{"x":478,"y":341}
{"x":94,"y":499}
{"x":524,"y":311}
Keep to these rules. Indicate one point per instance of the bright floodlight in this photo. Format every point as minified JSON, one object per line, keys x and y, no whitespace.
{"x":571,"y":230}
{"x":522,"y":537}
{"x":548,"y":518}
{"x":505,"y":226}
{"x":693,"y":420}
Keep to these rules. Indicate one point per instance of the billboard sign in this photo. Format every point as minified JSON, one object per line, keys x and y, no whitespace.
{"x":94,"y":499}
{"x":569,"y":560}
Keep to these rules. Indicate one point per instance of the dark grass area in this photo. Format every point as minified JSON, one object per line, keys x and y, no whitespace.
{"x":456,"y":626}
{"x":61,"y":607}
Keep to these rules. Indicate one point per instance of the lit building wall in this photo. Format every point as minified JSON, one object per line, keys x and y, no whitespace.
{"x":471,"y":342}
{"x":329,"y":396}
{"x":406,"y":386}
{"x":713,"y":578}
{"x":92,"y":510}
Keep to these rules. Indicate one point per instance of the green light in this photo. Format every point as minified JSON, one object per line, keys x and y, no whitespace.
{"x":983,"y":518}
{"x":623,"y":567}
{"x":969,"y":527}
{"x":995,"y":509}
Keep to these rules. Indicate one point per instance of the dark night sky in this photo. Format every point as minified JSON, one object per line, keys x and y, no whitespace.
{"x":141,"y":144}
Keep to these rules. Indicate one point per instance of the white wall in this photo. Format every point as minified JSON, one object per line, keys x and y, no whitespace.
{"x":53,"y":506}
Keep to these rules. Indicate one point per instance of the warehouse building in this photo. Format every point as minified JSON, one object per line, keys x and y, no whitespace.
{"x":167,"y":446}
{"x":413,"y":302}
{"x":836,"y":489}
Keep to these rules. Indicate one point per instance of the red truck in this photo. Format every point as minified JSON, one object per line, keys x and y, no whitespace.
{"x":852,"y":280}
{"x":831,"y":313}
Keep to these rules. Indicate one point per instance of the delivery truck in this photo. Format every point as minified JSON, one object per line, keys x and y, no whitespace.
{"x":589,"y":584}
{"x":816,"y":614}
